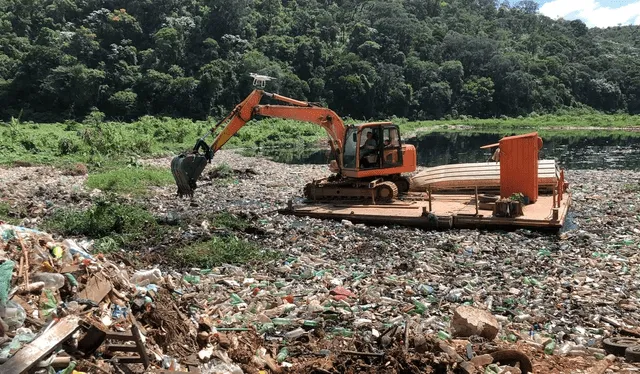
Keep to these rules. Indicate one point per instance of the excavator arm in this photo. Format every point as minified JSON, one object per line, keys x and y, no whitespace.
{"x":298,"y":110}
{"x":186,"y":169}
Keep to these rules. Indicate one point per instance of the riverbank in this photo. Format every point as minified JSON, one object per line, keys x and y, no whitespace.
{"x":109,"y":144}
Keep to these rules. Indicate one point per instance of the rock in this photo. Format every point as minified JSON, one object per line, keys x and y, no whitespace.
{"x":482,"y":360}
{"x":347,"y":223}
{"x":468,"y":368}
{"x":450,"y":351}
{"x":420,"y":344}
{"x":223,"y":340}
{"x":203,"y":337}
{"x":468,"y":321}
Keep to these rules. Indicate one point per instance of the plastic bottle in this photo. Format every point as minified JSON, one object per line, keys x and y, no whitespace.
{"x":235,"y":299}
{"x":281,"y":321}
{"x":74,"y":249}
{"x":265,"y":327}
{"x":282,"y":355}
{"x":420,"y":308}
{"x":342,"y":332}
{"x":191,"y":279}
{"x":549,"y":348}
{"x":294,"y":334}
{"x":70,"y":368}
{"x":455,"y":295}
{"x":144,"y":277}
{"x":14,"y":315}
{"x":170,"y":363}
{"x":53,"y":281}
{"x":310,"y":323}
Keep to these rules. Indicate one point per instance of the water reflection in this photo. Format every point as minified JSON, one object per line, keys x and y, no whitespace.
{"x":439,"y":148}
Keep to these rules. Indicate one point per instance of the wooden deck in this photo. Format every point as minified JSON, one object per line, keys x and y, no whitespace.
{"x":481,"y":174}
{"x":447,"y":212}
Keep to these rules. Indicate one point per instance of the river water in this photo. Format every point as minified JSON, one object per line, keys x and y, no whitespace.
{"x":582,"y":150}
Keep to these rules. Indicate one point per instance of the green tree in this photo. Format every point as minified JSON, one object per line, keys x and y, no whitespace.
{"x":73,"y":88}
{"x":476,"y":97}
{"x":123,"y":103}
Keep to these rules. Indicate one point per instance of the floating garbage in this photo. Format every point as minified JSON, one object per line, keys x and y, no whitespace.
{"x":335,"y":290}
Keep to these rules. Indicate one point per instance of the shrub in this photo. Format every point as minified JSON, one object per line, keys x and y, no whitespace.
{"x":67,"y":146}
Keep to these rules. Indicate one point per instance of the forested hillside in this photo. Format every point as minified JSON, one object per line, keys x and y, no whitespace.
{"x":419,"y":59}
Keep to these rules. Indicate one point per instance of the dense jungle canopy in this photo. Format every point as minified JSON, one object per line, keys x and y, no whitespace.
{"x":418,"y":59}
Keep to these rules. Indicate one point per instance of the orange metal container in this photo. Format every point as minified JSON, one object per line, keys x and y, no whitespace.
{"x":519,"y":165}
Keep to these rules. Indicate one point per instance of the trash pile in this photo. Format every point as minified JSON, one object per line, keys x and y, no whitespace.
{"x":65,"y":310}
{"x":340,"y":298}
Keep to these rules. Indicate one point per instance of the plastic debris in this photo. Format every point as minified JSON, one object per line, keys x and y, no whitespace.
{"x":342,"y":289}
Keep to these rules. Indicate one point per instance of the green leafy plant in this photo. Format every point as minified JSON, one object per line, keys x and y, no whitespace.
{"x":217,"y":251}
{"x":104,"y":218}
{"x":130,"y":180}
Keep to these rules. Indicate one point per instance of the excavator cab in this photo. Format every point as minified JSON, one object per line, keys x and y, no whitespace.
{"x":374,"y":149}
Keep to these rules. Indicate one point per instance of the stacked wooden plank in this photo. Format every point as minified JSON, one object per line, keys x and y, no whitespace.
{"x":481,"y":174}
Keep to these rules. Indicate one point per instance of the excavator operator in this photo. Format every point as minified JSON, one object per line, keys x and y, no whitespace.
{"x":369,"y":151}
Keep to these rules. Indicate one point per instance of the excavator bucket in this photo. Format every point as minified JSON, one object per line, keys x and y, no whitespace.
{"x":186,"y":170}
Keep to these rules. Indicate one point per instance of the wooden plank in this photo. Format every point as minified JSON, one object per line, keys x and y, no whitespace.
{"x":122,"y":336}
{"x":121,"y":348}
{"x":43,"y":345}
{"x":70,"y":269}
{"x":141,"y":349}
{"x":128,"y":360}
{"x":97,"y":288}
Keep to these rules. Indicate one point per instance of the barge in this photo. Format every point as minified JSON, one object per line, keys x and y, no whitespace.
{"x":516,"y":191}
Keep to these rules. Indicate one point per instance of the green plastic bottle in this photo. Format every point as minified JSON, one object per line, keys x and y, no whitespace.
{"x":191,"y":279}
{"x":282,"y":355}
{"x":549,"y":348}
{"x":281,"y":321}
{"x":235,"y":299}
{"x":420,"y":308}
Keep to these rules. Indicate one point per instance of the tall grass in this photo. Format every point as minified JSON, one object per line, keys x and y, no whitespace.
{"x":93,"y":141}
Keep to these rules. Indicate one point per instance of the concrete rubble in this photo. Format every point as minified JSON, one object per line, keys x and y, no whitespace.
{"x":342,"y":298}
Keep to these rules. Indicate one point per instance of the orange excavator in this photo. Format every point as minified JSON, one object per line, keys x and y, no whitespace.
{"x":369,"y":163}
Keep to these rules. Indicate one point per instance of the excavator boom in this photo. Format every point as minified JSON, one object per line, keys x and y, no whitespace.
{"x":187,"y":168}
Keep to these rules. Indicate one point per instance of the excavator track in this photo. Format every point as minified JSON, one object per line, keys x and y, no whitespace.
{"x":386,"y":192}
{"x":326,"y":191}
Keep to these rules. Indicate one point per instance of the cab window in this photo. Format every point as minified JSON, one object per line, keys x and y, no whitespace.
{"x":392,"y":151}
{"x":349,"y":155}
